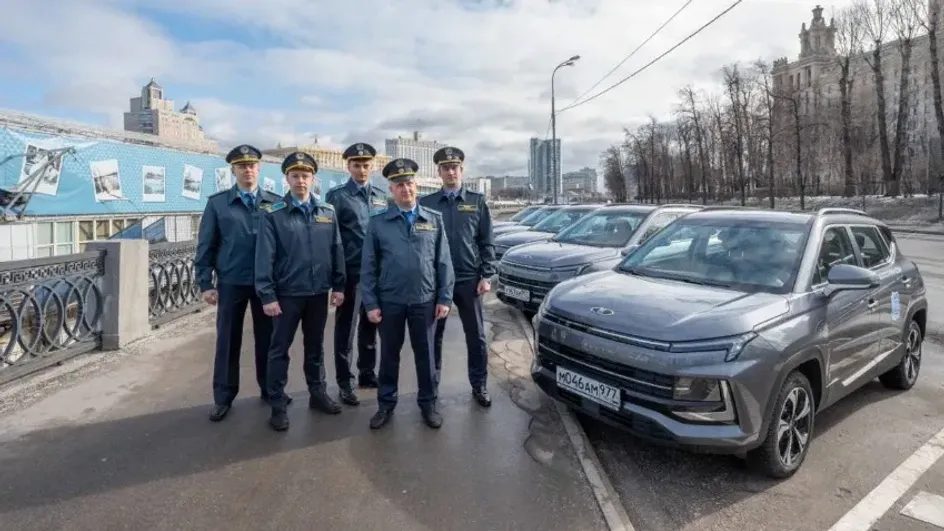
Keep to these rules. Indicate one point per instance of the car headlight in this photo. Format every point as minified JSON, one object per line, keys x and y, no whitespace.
{"x":731,"y":346}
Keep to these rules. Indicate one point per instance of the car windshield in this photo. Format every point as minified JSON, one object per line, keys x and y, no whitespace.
{"x":746,"y":255}
{"x":523,"y":214}
{"x":603,"y":229}
{"x":538,"y":216}
{"x":561,"y":219}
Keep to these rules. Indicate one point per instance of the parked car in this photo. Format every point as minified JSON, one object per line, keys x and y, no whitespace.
{"x":732,"y":342}
{"x":520,"y":215}
{"x":544,"y":230}
{"x":529,"y":221}
{"x":596,"y":242}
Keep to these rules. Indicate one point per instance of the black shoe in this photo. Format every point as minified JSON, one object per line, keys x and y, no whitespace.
{"x":279,"y":420}
{"x":219,"y":412}
{"x":322,"y":402}
{"x":265,"y":398}
{"x":381,"y":417}
{"x":481,"y":396}
{"x":347,"y":396}
{"x":368,"y":379}
{"x":432,"y":417}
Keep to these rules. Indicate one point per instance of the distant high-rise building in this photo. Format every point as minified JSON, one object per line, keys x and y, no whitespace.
{"x":543,"y":158}
{"x":151,"y":114}
{"x":420,"y":150}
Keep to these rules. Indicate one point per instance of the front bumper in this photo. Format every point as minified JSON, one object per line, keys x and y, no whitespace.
{"x":645,"y":379}
{"x":530,"y":285}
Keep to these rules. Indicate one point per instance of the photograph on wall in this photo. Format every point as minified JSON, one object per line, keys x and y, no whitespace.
{"x":224,"y":179}
{"x":36,"y":158}
{"x":193,"y":182}
{"x":153,"y":184}
{"x":268,"y":185}
{"x":106,"y":180}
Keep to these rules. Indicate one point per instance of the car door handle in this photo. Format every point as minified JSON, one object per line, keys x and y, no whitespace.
{"x":872,"y":304}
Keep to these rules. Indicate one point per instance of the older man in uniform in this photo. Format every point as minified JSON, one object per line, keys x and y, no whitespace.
{"x":406,"y":283}
{"x":468,"y":225}
{"x":353,"y":203}
{"x":299,"y":260}
{"x":226,"y":248}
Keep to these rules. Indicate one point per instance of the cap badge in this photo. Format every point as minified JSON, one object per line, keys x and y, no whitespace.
{"x":244,"y":150}
{"x":300,"y":156}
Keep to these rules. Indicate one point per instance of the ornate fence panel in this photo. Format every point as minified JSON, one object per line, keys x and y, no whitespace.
{"x":50,"y":310}
{"x":172,"y":287}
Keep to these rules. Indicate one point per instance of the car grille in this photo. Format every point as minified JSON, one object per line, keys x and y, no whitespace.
{"x":536,"y":287}
{"x":639,"y":381}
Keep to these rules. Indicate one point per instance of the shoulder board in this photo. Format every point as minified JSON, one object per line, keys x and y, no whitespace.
{"x":335,"y":189}
{"x":221,"y":192}
{"x":274,"y":207}
{"x":326,"y":206}
{"x":377,"y":213}
{"x":474,"y":193}
{"x":433,"y":212}
{"x":272,"y":196}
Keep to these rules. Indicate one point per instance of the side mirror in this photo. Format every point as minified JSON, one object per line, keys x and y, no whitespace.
{"x":625,"y":251}
{"x":849,"y":277}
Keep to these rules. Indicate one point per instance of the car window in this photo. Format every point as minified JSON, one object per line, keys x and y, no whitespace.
{"x":523,"y":214}
{"x":871,"y":245}
{"x":746,"y":255}
{"x":538,"y":216}
{"x":603,"y":228}
{"x":836,"y":248}
{"x":560,"y":219}
{"x":659,"y":221}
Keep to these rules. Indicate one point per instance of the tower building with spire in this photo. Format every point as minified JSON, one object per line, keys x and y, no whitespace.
{"x":152,"y":114}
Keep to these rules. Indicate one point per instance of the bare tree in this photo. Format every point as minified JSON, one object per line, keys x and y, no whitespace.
{"x":929,"y":14}
{"x":876,"y":21}
{"x":849,"y":34}
{"x":691,"y":107}
{"x":905,"y":24}
{"x":614,"y":173}
{"x":733,"y":82}
{"x":763,"y":78}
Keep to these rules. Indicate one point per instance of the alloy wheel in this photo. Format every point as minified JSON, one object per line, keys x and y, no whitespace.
{"x":794,"y":426}
{"x":913,"y":354}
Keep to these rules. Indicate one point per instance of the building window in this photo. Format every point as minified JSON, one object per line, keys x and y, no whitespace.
{"x":54,"y":238}
{"x":101,"y":229}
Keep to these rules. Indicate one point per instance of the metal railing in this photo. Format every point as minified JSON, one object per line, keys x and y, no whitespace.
{"x":50,"y":310}
{"x":172,"y":282}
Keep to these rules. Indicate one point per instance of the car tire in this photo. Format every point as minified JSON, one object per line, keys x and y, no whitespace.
{"x":790,"y":430}
{"x":905,"y":374}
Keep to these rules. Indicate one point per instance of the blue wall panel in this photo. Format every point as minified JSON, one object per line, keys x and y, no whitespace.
{"x":75,"y":194}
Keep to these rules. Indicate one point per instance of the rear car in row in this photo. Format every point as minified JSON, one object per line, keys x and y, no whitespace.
{"x":596,"y":242}
{"x":730,"y":329}
{"x":544,"y":230}
{"x":528,"y":221}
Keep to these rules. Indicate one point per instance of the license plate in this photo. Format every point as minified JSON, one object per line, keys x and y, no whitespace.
{"x":517,"y":293}
{"x":599,"y":392}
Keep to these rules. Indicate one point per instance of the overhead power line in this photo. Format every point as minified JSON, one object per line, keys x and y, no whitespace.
{"x":633,"y":53}
{"x":654,"y":61}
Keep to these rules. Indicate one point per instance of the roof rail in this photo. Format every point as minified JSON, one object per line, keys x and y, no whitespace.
{"x":837,"y":210}
{"x":677,"y":205}
{"x":728,"y":207}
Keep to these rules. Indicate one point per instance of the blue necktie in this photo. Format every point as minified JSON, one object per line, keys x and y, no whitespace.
{"x":250,"y":200}
{"x":409,"y":216}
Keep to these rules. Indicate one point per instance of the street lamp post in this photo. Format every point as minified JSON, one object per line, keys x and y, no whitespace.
{"x":555,"y":170}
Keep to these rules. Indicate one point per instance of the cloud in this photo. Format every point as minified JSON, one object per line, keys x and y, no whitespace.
{"x":474,"y":73}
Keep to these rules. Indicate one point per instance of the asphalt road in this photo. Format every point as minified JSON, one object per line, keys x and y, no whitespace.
{"x":860,"y":441}
{"x":129,"y":447}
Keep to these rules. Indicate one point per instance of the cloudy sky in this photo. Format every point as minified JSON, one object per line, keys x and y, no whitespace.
{"x":473,"y":73}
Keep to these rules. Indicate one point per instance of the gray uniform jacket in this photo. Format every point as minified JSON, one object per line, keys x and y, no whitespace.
{"x":298,"y":254}
{"x":226,"y":241}
{"x":469,"y":230}
{"x":354,"y":206}
{"x":405,"y":264}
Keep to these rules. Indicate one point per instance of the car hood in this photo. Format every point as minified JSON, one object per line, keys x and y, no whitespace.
{"x":663,"y":310}
{"x":508,"y":229}
{"x":557,"y":255}
{"x":496,"y":224}
{"x":526,"y":236}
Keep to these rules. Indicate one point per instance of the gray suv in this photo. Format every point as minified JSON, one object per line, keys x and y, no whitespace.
{"x":528,"y":221}
{"x":544,"y":230}
{"x":729,"y":329}
{"x":596,"y":242}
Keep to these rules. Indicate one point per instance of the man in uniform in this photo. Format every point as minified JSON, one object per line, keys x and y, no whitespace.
{"x":468,"y":225}
{"x":406,"y":283}
{"x":353,"y":202}
{"x":299,"y":260}
{"x":226,"y":247}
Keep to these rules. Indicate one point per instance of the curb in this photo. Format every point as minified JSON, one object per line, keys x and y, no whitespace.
{"x":607,"y":498}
